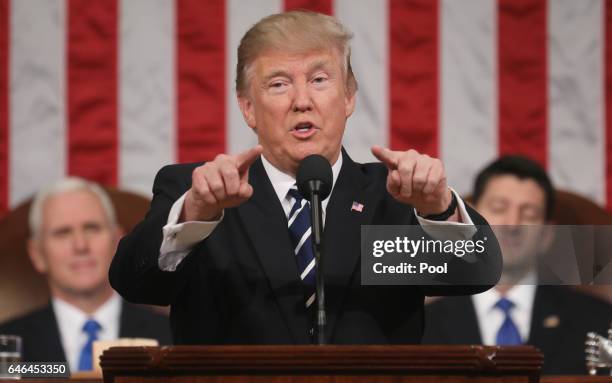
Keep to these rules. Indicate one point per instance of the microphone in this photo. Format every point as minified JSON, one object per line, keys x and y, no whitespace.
{"x":314,"y":175}
{"x":314,"y":181}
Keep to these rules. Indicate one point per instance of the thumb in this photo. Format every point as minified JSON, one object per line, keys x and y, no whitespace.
{"x":386,"y":156}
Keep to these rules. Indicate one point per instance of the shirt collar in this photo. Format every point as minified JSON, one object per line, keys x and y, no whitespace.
{"x":71,"y":316}
{"x":282,"y":182}
{"x":521,"y":294}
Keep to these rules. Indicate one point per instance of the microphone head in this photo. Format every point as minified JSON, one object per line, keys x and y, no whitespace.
{"x":314,"y":175}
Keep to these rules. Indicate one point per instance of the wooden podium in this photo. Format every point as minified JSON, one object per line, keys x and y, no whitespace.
{"x":338,"y":364}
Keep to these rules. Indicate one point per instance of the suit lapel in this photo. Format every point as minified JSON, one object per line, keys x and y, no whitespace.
{"x":265,"y":222}
{"x":341,"y":237}
{"x":546,"y":321}
{"x":49,"y":341}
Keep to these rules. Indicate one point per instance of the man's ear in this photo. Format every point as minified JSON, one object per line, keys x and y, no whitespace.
{"x":36,"y":256}
{"x":349,"y":103}
{"x":248,"y":110}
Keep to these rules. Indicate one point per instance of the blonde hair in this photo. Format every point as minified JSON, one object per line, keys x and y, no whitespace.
{"x":66,"y":185}
{"x":294,"y":32}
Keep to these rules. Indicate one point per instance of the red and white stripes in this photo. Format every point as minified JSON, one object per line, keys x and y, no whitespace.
{"x":113,"y":90}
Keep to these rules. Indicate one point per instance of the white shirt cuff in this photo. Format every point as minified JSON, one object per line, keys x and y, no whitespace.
{"x":450,"y":230}
{"x":180,"y":238}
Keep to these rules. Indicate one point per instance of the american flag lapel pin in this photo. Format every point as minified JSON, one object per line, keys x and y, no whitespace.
{"x":358,"y":207}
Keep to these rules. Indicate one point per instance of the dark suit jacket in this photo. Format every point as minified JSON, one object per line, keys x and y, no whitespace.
{"x":241,"y":284}
{"x":453,"y":321}
{"x":41,"y":338}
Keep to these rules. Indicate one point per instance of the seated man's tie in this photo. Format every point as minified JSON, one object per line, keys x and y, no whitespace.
{"x":90,"y":328}
{"x":508,"y":333}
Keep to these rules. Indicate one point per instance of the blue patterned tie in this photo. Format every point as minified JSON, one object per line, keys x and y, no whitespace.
{"x":508,"y":333}
{"x":91,"y":328}
{"x":301,"y":238}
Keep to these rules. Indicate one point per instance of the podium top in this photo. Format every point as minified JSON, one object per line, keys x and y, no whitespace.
{"x":327,"y":360}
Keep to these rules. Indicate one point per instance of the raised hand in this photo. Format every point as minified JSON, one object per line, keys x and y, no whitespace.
{"x":416,"y":179}
{"x":219,"y":184}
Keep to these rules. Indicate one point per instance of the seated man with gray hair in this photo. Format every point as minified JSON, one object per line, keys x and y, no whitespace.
{"x":73,"y":236}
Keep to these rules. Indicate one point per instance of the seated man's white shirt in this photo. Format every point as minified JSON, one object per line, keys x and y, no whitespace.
{"x":180,"y":238}
{"x":71,"y":320}
{"x":491,"y":318}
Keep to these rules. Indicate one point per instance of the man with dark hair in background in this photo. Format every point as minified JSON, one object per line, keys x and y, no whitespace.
{"x":516,"y":194}
{"x":73,"y":236}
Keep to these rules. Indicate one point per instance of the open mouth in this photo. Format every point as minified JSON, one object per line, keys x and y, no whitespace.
{"x":303,"y":130}
{"x":303,"y":127}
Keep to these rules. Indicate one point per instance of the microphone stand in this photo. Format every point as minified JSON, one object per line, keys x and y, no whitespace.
{"x":317,"y":247}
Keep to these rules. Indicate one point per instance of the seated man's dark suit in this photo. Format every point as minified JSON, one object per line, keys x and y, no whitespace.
{"x":41,"y":338}
{"x":560,"y":320}
{"x":241,"y":285}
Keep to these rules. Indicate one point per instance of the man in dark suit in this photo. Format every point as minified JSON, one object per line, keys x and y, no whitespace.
{"x":515,"y":193}
{"x":74,"y":234}
{"x":228,"y":243}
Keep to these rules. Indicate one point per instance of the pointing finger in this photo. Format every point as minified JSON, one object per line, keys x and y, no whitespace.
{"x":386,"y":156}
{"x":246,"y":158}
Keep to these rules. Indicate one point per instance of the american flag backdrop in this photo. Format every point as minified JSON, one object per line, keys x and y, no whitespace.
{"x":112,"y":90}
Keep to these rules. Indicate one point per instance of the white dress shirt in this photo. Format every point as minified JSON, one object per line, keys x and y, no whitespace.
{"x":180,"y":238}
{"x":71,"y":319}
{"x":282,"y":182}
{"x":491,"y":318}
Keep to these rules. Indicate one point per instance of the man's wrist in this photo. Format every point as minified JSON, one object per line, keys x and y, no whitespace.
{"x":190,"y":208}
{"x":451,"y":209}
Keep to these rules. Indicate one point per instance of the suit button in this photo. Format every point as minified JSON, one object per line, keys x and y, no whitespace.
{"x":311,"y":332}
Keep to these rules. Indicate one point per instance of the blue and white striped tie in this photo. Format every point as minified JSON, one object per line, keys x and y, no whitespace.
{"x":301,"y":238}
